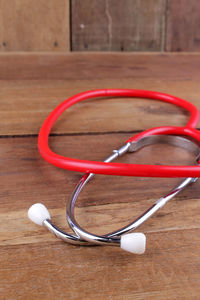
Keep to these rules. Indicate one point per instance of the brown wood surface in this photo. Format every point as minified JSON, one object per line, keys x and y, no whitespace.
{"x":36,"y":265}
{"x":36,"y":83}
{"x":183,"y":23}
{"x":63,"y":25}
{"x":118,"y":25}
{"x":34,"y":25}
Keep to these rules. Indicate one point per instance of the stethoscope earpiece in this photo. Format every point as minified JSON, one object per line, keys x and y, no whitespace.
{"x":133,"y":242}
{"x":38,"y":213}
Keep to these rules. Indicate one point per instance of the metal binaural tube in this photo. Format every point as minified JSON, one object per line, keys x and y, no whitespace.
{"x":111,"y":238}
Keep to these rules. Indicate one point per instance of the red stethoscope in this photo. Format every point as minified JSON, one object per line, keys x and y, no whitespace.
{"x":119,"y":168}
{"x":186,"y":136}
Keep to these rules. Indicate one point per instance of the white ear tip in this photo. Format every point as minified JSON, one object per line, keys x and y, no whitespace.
{"x":38,"y":213}
{"x":133,"y":242}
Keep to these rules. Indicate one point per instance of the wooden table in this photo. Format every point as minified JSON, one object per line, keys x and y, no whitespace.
{"x":36,"y":265}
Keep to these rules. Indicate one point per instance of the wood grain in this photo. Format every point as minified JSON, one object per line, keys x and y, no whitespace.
{"x":118,"y":26}
{"x":34,"y":25}
{"x":183,"y":23}
{"x":36,"y":265}
{"x":51,"y":270}
{"x":36,"y":83}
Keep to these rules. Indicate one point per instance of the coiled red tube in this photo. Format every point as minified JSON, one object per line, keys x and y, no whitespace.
{"x":118,"y":168}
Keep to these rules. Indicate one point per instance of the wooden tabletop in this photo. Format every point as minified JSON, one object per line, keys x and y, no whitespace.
{"x":34,"y":263}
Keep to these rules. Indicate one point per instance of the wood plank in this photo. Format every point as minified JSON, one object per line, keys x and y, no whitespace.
{"x":34,"y":26}
{"x":118,"y":26}
{"x":56,"y":270}
{"x":101,"y":66}
{"x":34,"y":264}
{"x":183,"y":25}
{"x":35,"y":84}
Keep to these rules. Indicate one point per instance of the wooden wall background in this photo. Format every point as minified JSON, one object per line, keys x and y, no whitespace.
{"x":100,"y":25}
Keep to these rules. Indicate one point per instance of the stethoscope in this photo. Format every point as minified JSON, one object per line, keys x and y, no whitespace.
{"x":132,"y":242}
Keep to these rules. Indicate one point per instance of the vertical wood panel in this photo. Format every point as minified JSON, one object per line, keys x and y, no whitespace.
{"x":118,"y":25}
{"x":183,"y":25}
{"x":27,"y":25}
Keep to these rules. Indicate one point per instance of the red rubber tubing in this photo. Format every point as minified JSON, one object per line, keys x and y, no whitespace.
{"x":118,"y":168}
